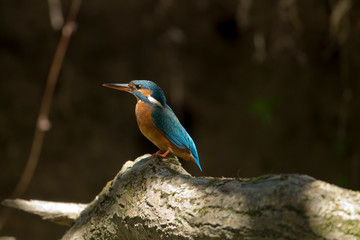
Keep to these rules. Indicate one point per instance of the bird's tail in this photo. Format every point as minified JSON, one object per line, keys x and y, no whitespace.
{"x":193,"y":151}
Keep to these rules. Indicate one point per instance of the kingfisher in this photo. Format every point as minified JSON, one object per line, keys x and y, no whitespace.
{"x":157,"y":121}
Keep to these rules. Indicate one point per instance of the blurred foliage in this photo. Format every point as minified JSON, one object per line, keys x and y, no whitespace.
{"x":262,"y":86}
{"x":341,"y":147}
{"x":342,"y":180}
{"x":264,"y":109}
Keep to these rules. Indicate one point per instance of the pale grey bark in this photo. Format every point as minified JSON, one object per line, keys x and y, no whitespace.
{"x":57,"y":212}
{"x":153,"y":198}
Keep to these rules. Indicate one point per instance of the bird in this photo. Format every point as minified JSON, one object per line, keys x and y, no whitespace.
{"x":157,"y":121}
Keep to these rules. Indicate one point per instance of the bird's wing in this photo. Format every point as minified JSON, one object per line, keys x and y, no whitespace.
{"x":166,"y":121}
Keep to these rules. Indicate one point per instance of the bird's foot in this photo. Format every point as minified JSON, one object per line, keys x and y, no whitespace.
{"x":158,"y":153}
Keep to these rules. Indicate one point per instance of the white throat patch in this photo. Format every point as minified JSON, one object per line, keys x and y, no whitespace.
{"x":154,"y":101}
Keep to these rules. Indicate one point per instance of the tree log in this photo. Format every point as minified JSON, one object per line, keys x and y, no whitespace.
{"x":152,"y":198}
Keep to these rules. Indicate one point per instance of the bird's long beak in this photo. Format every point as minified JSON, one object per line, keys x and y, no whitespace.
{"x":118,"y":86}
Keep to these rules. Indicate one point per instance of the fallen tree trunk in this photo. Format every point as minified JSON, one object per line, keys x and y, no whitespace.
{"x":153,"y":198}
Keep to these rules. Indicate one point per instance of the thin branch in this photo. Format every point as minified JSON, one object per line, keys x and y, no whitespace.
{"x":55,"y":14}
{"x":57,"y":212}
{"x":43,"y":123}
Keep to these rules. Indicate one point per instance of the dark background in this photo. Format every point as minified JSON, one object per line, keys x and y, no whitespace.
{"x":261,"y":86}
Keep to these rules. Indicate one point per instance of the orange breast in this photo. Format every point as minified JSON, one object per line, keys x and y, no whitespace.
{"x":148,"y":129}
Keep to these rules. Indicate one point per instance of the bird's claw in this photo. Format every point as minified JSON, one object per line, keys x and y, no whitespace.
{"x":158,"y":153}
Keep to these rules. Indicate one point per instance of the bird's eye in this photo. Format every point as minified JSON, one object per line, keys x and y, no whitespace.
{"x":138,"y":86}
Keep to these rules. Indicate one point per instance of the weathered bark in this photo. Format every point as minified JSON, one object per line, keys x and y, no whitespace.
{"x":153,"y":198}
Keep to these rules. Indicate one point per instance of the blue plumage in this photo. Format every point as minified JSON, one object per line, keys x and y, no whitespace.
{"x":157,"y":121}
{"x":167,"y":122}
{"x":157,"y":92}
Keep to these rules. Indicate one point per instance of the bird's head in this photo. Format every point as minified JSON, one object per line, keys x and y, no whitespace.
{"x":143,"y":90}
